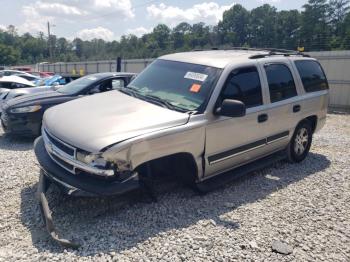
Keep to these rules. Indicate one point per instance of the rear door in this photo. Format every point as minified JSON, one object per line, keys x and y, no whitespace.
{"x":284,"y":106}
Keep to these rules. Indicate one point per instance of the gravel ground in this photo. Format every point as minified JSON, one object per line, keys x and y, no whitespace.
{"x":306,"y":206}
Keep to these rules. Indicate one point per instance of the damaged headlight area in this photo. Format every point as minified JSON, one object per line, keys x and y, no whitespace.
{"x":95,"y":160}
{"x":114,"y":167}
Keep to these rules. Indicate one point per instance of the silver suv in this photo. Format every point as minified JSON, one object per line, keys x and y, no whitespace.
{"x":202,"y":116}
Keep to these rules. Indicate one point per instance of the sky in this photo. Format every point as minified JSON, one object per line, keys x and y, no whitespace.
{"x":110,"y":19}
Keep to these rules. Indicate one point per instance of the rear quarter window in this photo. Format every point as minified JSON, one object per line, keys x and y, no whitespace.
{"x":312,"y":75}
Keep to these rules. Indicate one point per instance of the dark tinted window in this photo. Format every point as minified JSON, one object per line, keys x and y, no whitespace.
{"x":244,"y":85}
{"x":312,"y":76}
{"x":77,"y":86}
{"x":281,"y":82}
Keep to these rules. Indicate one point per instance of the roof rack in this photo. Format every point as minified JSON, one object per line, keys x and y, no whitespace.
{"x":271,"y":51}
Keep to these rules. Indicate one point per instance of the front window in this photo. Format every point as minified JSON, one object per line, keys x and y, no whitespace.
{"x":77,"y":86}
{"x":243,"y":84}
{"x":183,"y":86}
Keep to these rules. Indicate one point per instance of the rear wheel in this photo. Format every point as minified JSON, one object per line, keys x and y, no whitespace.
{"x":300,"y":144}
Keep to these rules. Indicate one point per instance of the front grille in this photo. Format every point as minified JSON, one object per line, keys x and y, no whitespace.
{"x":65,"y":148}
{"x":64,"y":155}
{"x":62,"y":149}
{"x":63,"y":163}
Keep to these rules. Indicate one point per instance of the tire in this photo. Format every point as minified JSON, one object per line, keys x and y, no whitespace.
{"x":299,"y":146}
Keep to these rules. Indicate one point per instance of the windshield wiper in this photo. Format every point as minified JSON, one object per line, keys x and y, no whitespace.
{"x":133,"y":91}
{"x":165,"y":103}
{"x":127,"y":91}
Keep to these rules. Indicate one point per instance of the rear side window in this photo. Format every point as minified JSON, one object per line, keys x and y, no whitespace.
{"x":281,"y":82}
{"x":312,"y":76}
{"x":244,"y":85}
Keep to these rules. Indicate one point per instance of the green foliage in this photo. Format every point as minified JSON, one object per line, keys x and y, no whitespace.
{"x":8,"y":55}
{"x":321,"y":25}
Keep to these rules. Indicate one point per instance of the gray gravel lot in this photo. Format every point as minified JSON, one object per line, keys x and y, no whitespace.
{"x":306,"y":206}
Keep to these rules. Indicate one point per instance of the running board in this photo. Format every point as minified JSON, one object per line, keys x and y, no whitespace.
{"x":222,"y":179}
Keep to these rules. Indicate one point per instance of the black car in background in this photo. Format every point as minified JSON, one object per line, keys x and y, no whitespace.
{"x":23,"y":115}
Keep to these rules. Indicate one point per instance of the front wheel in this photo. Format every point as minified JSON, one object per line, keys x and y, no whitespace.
{"x":300,"y":144}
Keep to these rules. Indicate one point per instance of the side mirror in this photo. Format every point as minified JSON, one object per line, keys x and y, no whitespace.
{"x":231,"y":108}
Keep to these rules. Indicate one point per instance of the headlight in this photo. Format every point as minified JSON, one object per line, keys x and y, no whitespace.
{"x":87,"y":158}
{"x":97,"y":160}
{"x":25,"y":109}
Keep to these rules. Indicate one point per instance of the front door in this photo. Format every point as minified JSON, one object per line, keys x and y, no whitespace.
{"x":231,"y":142}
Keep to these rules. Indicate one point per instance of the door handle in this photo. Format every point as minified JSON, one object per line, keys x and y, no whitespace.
{"x":263,"y":118}
{"x":296,"y":108}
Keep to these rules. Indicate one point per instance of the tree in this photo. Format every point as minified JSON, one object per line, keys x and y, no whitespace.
{"x":337,"y":11}
{"x":78,"y":47}
{"x":234,"y":25}
{"x":287,"y":28}
{"x":8,"y":55}
{"x":178,"y":34}
{"x":346,"y":38}
{"x":315,"y":32}
{"x":262,"y":26}
{"x":161,"y":34}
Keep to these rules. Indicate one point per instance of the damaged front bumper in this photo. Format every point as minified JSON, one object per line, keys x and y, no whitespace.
{"x":75,"y":185}
{"x":46,"y":214}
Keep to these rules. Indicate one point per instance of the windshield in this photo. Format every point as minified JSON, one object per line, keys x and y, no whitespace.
{"x":182,"y":85}
{"x":78,"y":85}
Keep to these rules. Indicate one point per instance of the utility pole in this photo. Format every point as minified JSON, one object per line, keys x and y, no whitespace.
{"x":49,"y":41}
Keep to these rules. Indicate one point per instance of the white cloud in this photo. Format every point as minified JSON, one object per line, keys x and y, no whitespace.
{"x":3,"y":28}
{"x":270,"y":1}
{"x":34,"y":21}
{"x":58,"y":9}
{"x":96,"y":33}
{"x":122,"y":7}
{"x":76,"y":11}
{"x":139,"y":31}
{"x":208,"y":12}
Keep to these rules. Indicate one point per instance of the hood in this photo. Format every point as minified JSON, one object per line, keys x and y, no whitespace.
{"x":27,"y":91}
{"x":4,"y":90}
{"x":37,"y":98}
{"x":95,"y":122}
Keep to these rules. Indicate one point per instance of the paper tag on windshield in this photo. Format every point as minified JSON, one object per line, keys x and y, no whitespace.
{"x":196,"y":76}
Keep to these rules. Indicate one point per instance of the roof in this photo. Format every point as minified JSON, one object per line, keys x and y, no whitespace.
{"x":108,"y":74}
{"x":16,"y":79}
{"x":222,"y":58}
{"x":214,"y":58}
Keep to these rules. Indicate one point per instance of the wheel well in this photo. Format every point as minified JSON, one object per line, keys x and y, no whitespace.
{"x":180,"y":165}
{"x":313,"y":121}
